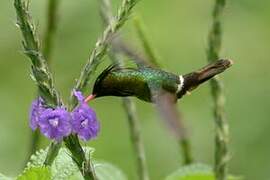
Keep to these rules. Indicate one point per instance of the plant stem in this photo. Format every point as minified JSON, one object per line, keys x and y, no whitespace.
{"x":43,"y":78}
{"x":52,"y":153}
{"x":78,"y":156}
{"x":34,"y":144}
{"x":186,"y":150}
{"x":53,"y":6}
{"x":136,"y":138}
{"x":92,"y":63}
{"x":184,"y":140}
{"x":102,"y":45}
{"x":221,"y":124}
{"x":148,"y":49}
{"x":128,"y":104}
{"x":134,"y":129}
{"x":48,"y":43}
{"x":40,"y":71}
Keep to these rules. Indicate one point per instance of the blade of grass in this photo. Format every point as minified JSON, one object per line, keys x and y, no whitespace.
{"x":221,"y":124}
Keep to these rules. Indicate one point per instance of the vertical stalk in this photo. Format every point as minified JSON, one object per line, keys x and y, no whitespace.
{"x":148,"y":49}
{"x":42,"y":76}
{"x":40,"y":70}
{"x":52,"y":153}
{"x":101,"y":46}
{"x":183,"y":139}
{"x":48,"y":45}
{"x":136,"y":138}
{"x":128,"y":104}
{"x":221,"y":124}
{"x":134,"y":129}
{"x":186,"y":150}
{"x":49,"y":36}
{"x":78,"y":155}
{"x":94,"y":60}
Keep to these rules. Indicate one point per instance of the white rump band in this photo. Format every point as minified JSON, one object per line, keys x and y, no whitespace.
{"x":181,"y":84}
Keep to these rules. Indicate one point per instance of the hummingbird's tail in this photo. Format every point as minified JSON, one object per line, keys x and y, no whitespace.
{"x":194,"y":79}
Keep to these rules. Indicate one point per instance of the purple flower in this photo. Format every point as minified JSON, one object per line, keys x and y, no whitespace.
{"x":84,"y":121}
{"x":55,"y":123}
{"x":35,"y":111}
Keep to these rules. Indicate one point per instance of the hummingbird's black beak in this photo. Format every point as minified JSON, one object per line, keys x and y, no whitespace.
{"x":194,"y":79}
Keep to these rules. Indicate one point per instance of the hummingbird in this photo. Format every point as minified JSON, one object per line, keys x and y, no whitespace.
{"x":147,"y":83}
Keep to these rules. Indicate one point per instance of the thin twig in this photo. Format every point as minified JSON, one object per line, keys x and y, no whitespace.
{"x":184,"y":140}
{"x":221,"y":124}
{"x":128,"y":104}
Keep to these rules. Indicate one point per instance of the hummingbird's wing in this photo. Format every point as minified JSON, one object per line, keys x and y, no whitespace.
{"x":138,"y":58}
{"x":166,"y":105}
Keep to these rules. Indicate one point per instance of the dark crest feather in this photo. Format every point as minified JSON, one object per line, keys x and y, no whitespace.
{"x":104,"y":73}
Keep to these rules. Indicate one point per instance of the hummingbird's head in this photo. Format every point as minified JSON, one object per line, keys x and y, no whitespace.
{"x":194,"y":79}
{"x":115,"y":81}
{"x":98,"y":89}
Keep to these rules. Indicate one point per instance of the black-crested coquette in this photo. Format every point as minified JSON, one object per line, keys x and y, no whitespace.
{"x":146,"y":83}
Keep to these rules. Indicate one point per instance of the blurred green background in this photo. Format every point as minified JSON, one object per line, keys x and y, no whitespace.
{"x":178,"y":30}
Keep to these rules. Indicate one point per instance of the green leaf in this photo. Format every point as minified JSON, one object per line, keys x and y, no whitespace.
{"x":104,"y":171}
{"x":64,"y":168}
{"x":107,"y":171}
{"x":36,"y":173}
{"x":195,"y":172}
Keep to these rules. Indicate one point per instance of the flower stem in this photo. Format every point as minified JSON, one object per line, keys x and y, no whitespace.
{"x":51,"y":28}
{"x":102,"y":45}
{"x":52,"y":153}
{"x":148,"y":49}
{"x":186,"y":151}
{"x":128,"y":104}
{"x":184,"y":140}
{"x":40,"y":71}
{"x":92,"y":63}
{"x":221,"y":124}
{"x":136,"y":138}
{"x":79,"y":157}
{"x":43,"y":78}
{"x":135,"y":130}
{"x":48,"y":43}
